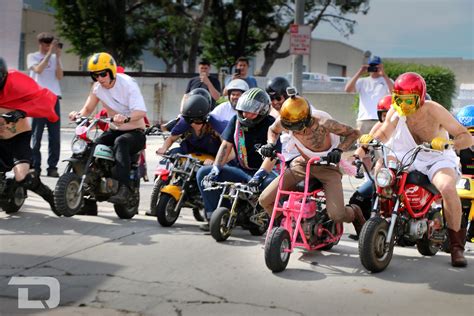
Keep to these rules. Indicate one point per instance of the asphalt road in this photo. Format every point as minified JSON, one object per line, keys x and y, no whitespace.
{"x":108,"y":266}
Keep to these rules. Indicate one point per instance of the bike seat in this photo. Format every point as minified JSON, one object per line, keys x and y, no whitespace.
{"x":418,"y":178}
{"x":314,"y":184}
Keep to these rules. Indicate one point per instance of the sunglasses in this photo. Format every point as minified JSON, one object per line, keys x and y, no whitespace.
{"x":199,"y":121}
{"x":101,"y":74}
{"x":274,"y":96}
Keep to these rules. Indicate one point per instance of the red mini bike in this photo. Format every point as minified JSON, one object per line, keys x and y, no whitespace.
{"x":304,"y":223}
{"x":407,"y":208}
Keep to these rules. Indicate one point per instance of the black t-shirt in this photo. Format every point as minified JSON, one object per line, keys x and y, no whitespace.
{"x":254,"y":138}
{"x":467,"y":161}
{"x":196,"y":83}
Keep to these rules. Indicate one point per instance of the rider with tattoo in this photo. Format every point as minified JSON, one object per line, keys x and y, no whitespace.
{"x":245,"y":133}
{"x":21,"y":96}
{"x":312,"y":135}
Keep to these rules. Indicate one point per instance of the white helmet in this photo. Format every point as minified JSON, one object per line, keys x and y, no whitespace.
{"x":237,"y":84}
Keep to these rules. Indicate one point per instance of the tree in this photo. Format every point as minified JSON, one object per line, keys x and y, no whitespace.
{"x":243,"y":27}
{"x":100,"y":25}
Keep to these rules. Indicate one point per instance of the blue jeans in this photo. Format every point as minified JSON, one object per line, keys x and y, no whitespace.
{"x":228,"y":173}
{"x":54,"y":140}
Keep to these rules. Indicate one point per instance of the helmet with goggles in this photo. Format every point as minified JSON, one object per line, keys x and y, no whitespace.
{"x":409,"y":91}
{"x":383,"y":106}
{"x":99,"y":63}
{"x":196,"y":109}
{"x":254,"y":101}
{"x":295,"y":113}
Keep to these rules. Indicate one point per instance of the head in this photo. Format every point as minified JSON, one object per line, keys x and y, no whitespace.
{"x":204,"y":66}
{"x":243,"y":64}
{"x":196,"y":110}
{"x":465,"y":116}
{"x":44,"y":40}
{"x":235,"y":88}
{"x":409,"y":91}
{"x":374,"y":64}
{"x":253,"y":106}
{"x":383,"y":106}
{"x":3,"y":73}
{"x":295,"y":113}
{"x":103,"y":68}
{"x":202,"y":92}
{"x":276,"y":89}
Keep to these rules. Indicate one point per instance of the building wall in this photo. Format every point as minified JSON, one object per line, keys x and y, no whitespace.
{"x":323,"y":52}
{"x":10,"y":25}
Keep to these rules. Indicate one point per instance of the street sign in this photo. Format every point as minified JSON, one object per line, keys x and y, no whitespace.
{"x":300,"y":39}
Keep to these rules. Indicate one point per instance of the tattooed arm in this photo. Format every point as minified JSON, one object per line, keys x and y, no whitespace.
{"x":350,"y":134}
{"x":223,"y":153}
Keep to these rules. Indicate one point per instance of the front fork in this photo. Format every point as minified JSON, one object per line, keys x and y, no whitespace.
{"x":393,"y":221}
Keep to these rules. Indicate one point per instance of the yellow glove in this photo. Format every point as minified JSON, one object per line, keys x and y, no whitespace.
{"x":440,"y":143}
{"x":365,"y":139}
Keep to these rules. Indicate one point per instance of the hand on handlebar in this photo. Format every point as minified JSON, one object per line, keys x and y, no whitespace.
{"x":210,"y":177}
{"x":334,"y":156}
{"x":120,"y":119}
{"x":365,"y":139}
{"x":73,"y":115}
{"x":440,"y":143}
{"x":268,"y":150}
{"x":255,"y":183}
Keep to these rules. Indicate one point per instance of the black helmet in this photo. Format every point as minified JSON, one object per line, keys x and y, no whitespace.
{"x":196,"y":109}
{"x":276,"y":87}
{"x":203,"y":92}
{"x":3,"y":73}
{"x":254,"y":101}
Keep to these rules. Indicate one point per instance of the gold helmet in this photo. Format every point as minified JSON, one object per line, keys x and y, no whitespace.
{"x":100,"y":62}
{"x":295,"y":113}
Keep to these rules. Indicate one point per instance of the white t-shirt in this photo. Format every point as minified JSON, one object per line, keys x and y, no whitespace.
{"x":124,"y":97}
{"x":224,"y":111}
{"x":47,"y":78}
{"x":370,"y":92}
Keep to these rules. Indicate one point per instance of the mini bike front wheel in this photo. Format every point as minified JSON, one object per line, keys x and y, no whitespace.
{"x":165,"y":210}
{"x":67,"y":198}
{"x":277,"y":249}
{"x":218,"y":225}
{"x":375,"y":255}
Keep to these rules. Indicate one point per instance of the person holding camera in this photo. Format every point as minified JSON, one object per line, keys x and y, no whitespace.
{"x":241,"y":71}
{"x":46,"y":69}
{"x":204,"y":80}
{"x":371,"y":89}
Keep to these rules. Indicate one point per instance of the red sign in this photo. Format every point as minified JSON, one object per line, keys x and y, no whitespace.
{"x":300,"y":39}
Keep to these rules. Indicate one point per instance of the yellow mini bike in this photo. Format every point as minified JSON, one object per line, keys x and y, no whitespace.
{"x":465,"y":188}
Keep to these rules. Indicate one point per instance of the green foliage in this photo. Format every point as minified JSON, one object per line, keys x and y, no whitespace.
{"x":100,"y":25}
{"x":440,"y":81}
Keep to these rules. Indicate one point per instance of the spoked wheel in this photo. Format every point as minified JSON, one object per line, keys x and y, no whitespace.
{"x":127,"y":211}
{"x":374,"y":253}
{"x":14,"y":204}
{"x":277,"y":249}
{"x":165,"y":211}
{"x":218,"y":224}
{"x":67,"y":197}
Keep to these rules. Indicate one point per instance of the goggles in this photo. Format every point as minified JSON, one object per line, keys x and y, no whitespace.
{"x":406,"y":104}
{"x":101,"y":74}
{"x":296,"y":126}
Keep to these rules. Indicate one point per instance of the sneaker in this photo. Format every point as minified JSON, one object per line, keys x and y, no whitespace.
{"x":204,"y":227}
{"x":53,"y":173}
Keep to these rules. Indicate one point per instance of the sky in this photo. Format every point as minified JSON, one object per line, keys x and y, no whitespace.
{"x":412,"y":28}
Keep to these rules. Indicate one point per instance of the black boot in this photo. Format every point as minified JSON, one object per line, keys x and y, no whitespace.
{"x":122,"y":195}
{"x":456,"y":244}
{"x":32,"y":182}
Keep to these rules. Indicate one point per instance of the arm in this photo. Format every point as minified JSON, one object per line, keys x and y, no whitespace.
{"x":350,"y":134}
{"x":212,"y":90}
{"x":59,"y":66}
{"x":351,"y":85}
{"x":462,"y":137}
{"x":168,"y":142}
{"x":274,"y":132}
{"x":386,"y":130}
{"x":223,"y":153}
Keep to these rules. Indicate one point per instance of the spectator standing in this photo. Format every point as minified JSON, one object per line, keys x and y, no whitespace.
{"x":242,"y":72}
{"x":46,"y":69}
{"x":204,"y":80}
{"x":370,"y":89}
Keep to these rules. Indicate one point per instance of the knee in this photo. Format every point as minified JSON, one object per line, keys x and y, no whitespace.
{"x":448,"y":191}
{"x":121,"y":143}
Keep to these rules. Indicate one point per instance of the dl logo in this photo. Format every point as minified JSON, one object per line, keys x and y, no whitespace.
{"x":24,"y":302}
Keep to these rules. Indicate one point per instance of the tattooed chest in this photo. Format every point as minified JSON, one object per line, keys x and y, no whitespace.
{"x":316,"y":139}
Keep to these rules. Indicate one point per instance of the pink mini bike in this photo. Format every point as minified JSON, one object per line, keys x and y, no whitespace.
{"x":304,"y":220}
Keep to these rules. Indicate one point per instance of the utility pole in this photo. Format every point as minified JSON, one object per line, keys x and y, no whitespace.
{"x":297,"y":80}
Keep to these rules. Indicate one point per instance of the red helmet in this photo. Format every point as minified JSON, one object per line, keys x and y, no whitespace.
{"x":406,"y":85}
{"x":383,"y":106}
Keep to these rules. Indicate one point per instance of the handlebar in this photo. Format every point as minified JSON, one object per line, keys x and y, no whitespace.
{"x":215,"y":185}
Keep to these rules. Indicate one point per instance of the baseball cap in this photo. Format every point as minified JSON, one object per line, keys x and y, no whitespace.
{"x":375,"y":60}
